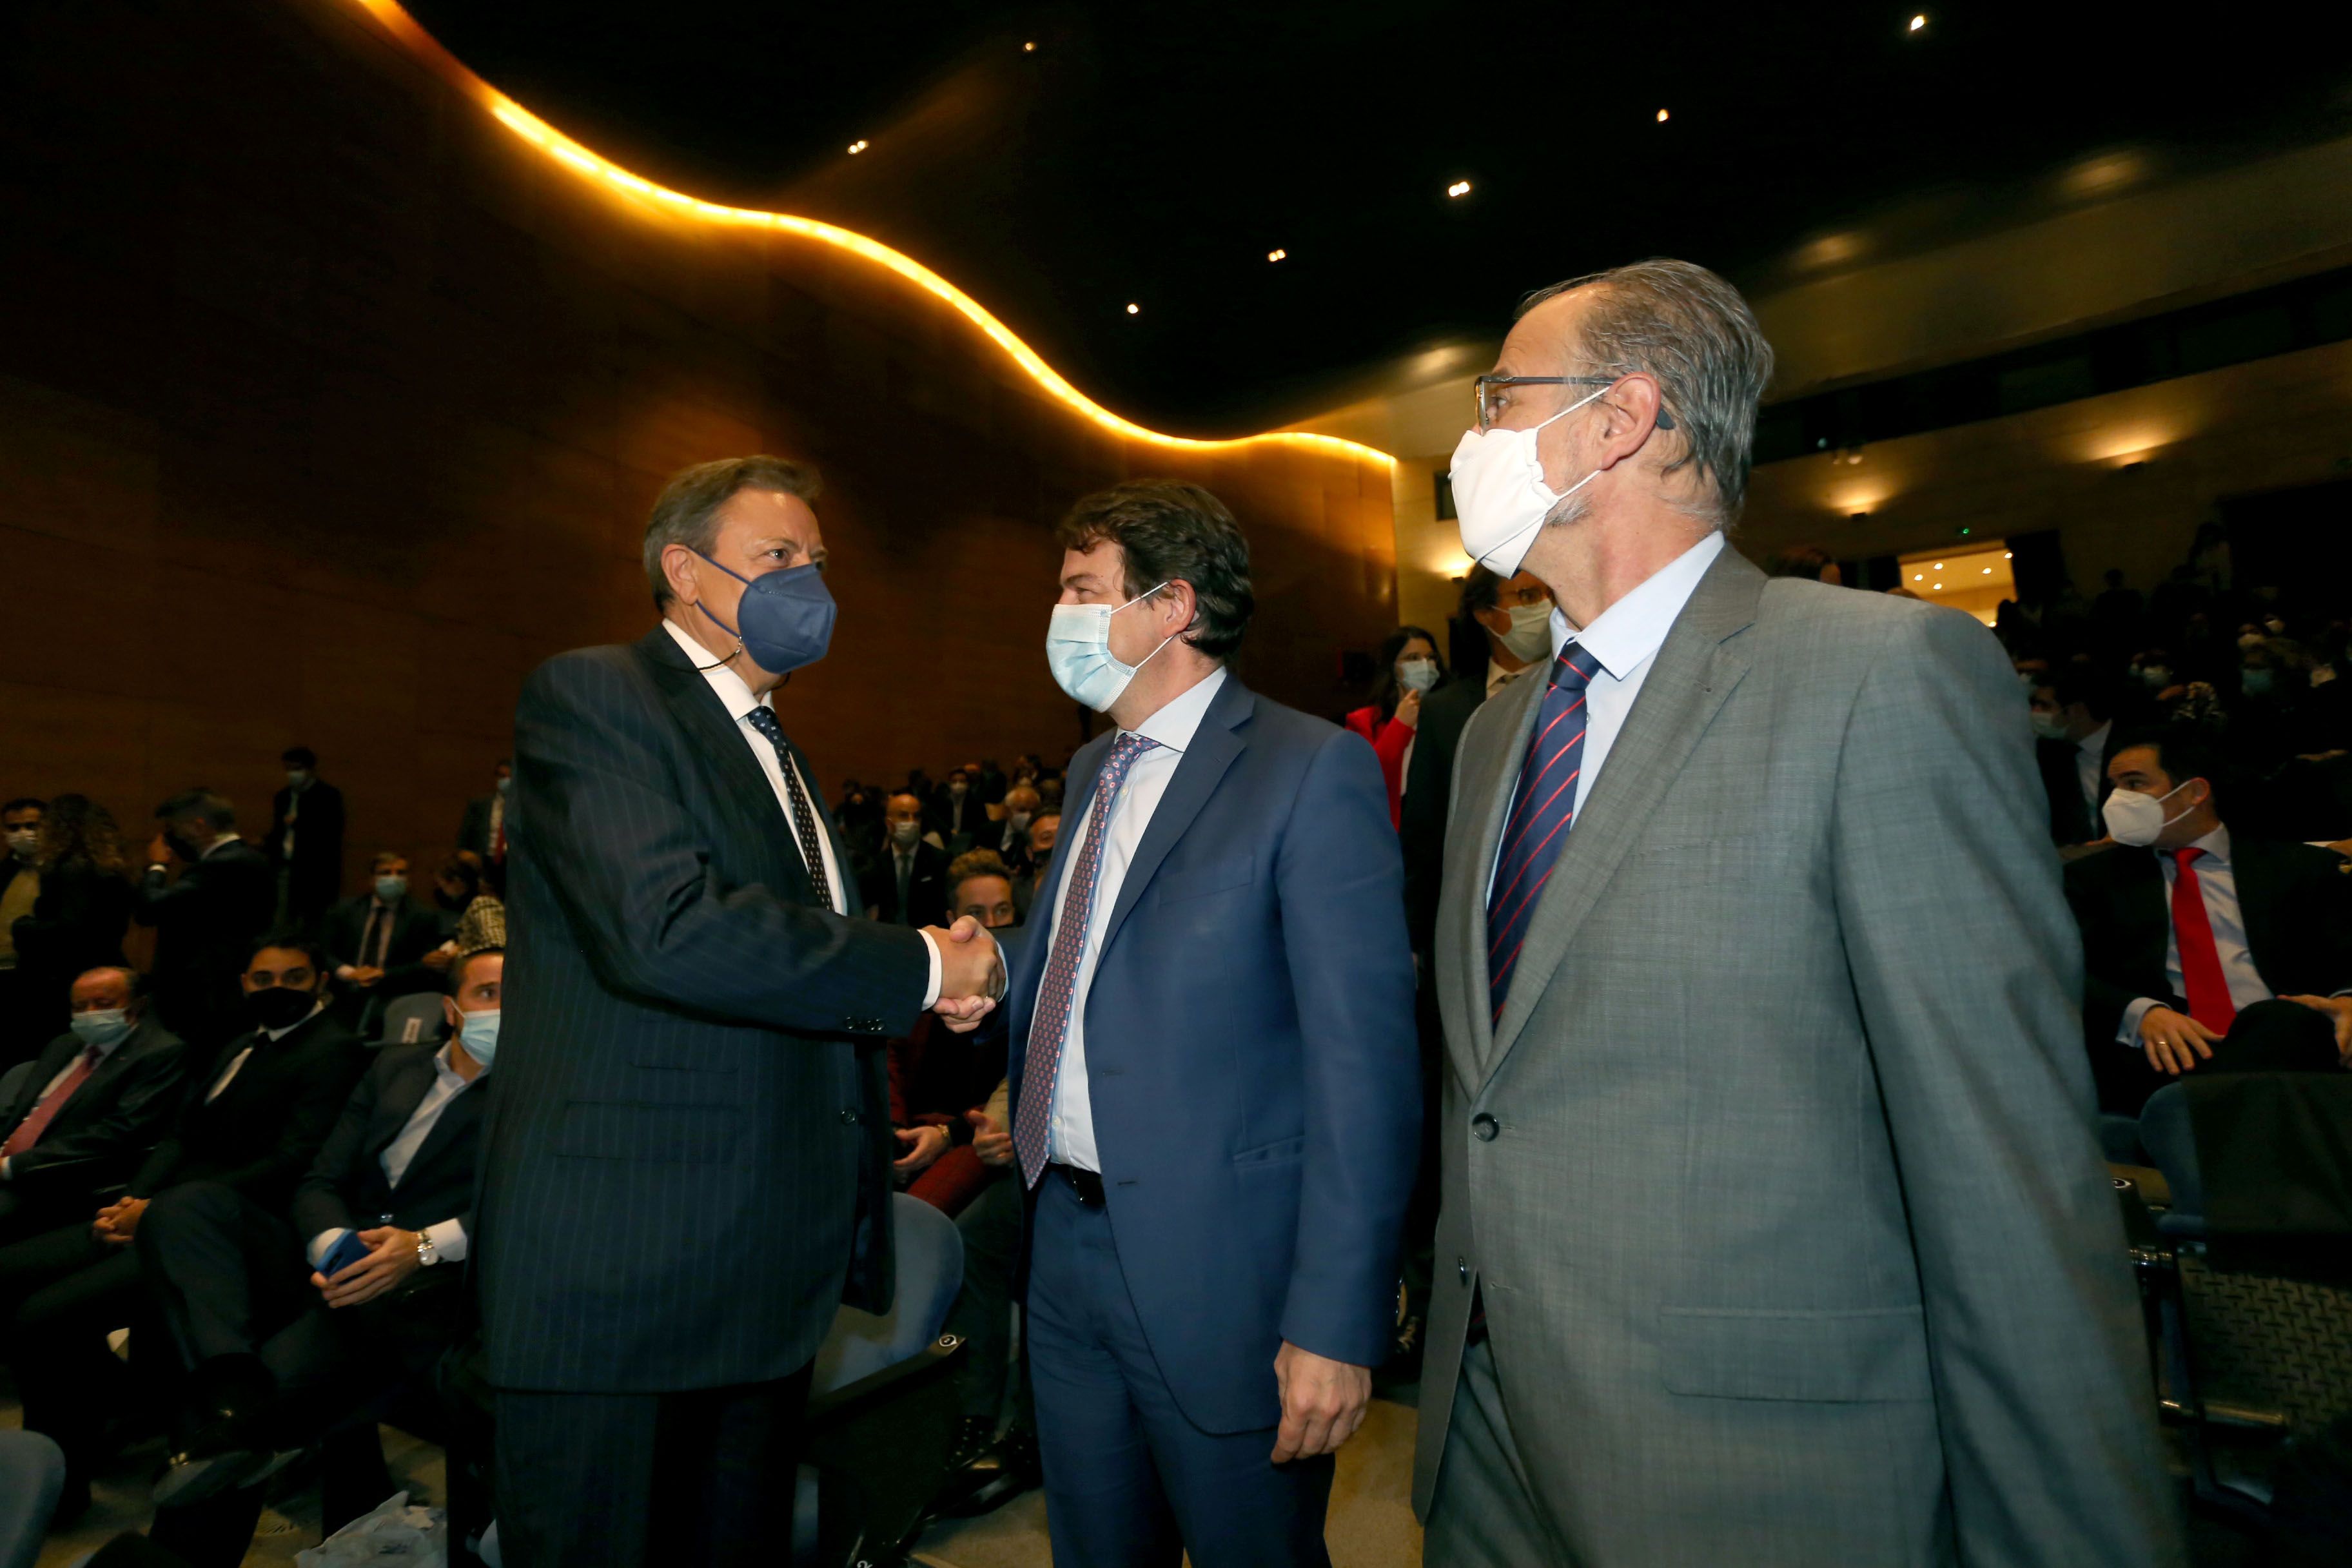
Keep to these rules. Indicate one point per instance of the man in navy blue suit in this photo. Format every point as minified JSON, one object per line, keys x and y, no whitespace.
{"x":1215,"y":1100}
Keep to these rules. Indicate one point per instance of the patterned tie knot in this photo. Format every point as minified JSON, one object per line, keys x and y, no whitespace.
{"x":764,"y":719}
{"x":1575,"y":667}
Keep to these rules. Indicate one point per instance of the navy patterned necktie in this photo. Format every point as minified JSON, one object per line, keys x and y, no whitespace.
{"x":764,"y":719}
{"x":1542,"y":806}
{"x":1049,"y":1026}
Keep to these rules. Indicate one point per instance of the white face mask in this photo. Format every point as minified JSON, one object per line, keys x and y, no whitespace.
{"x":1077,"y":650}
{"x":1530,"y":639}
{"x":2049,"y":726}
{"x":904,"y":834}
{"x":21,"y":841}
{"x":1499,"y":495}
{"x":2138,"y":819}
{"x":1416,"y":674}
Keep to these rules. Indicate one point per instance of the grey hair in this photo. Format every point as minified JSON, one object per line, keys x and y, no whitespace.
{"x":686,"y":512}
{"x":1681,"y":324}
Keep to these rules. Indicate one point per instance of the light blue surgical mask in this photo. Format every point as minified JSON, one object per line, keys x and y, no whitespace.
{"x":101,"y":1025}
{"x":479,"y":1033}
{"x":392,"y":889}
{"x":1416,"y":674}
{"x":1077,"y":650}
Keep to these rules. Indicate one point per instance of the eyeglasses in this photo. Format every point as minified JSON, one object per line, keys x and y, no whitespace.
{"x":1493,"y":393}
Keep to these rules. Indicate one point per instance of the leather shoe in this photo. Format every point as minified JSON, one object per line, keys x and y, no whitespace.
{"x":1008,"y":1469}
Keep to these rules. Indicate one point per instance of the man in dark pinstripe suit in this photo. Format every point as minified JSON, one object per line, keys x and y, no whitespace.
{"x":688,"y":1170}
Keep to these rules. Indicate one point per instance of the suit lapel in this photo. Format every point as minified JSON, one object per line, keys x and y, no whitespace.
{"x":1214,"y":746}
{"x":2251,"y":866}
{"x":748,"y":798}
{"x":1483,"y":801}
{"x":1691,"y":675}
{"x":454,"y":1118}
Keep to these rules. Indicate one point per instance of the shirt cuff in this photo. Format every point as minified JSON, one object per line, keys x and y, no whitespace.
{"x":324,"y":1243}
{"x":932,"y":991}
{"x":2133,"y":1011}
{"x":449,"y":1239}
{"x":7,"y":1167}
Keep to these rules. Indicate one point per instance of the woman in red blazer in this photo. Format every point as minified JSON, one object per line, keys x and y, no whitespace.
{"x":1409,"y":666}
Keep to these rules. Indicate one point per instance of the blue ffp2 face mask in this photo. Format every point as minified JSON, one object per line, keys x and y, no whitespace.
{"x":785,"y":619}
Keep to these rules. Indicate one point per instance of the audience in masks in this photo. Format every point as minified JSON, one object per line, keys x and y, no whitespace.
{"x":20,"y":889}
{"x":378,"y":943}
{"x":79,"y":910}
{"x":939,"y":1079}
{"x":208,"y":895}
{"x":304,"y":845}
{"x":482,"y":831}
{"x":1408,"y":668}
{"x":907,"y":882}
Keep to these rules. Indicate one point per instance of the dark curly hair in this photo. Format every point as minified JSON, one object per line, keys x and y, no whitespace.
{"x":1171,"y":531}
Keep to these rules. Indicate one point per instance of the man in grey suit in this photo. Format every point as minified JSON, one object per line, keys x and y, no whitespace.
{"x":1775,"y":1232}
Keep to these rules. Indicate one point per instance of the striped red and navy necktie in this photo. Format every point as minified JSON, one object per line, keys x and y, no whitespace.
{"x":1541,"y":808}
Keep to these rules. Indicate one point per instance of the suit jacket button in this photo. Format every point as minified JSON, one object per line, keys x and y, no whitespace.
{"x":1485,"y":1127}
{"x":849,"y":1118}
{"x":1462,"y":1267}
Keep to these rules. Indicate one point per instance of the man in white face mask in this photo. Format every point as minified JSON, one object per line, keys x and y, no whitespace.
{"x":1749,"y":909}
{"x":1212,"y":1066}
{"x":2204,"y":952}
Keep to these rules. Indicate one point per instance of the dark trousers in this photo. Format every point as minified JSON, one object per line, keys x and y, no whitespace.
{"x":2269,"y":1037}
{"x":218,"y":1531}
{"x":982,"y":1314}
{"x":631,"y":1480}
{"x":61,"y":1292}
{"x":1129,"y":1481}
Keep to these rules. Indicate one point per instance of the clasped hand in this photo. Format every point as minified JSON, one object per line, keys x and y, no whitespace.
{"x":392,"y":1258}
{"x":971,"y":973}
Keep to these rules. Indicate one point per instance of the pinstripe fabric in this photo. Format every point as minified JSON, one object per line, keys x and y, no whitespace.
{"x":687,"y":1165}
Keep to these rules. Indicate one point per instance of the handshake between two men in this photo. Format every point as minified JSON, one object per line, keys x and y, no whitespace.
{"x":971,"y":973}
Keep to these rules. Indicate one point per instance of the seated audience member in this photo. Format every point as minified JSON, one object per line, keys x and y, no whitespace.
{"x":990,"y":782}
{"x":252,"y":1119}
{"x":1043,"y":829}
{"x":1409,"y":666}
{"x":21,"y":1005}
{"x":2074,"y":733}
{"x":1809,"y":562}
{"x":482,"y":831}
{"x":2202,"y":951}
{"x":1049,"y":794}
{"x":95,"y":1102}
{"x":277,"y":1349}
{"x":471,"y":915}
{"x":908,"y":884}
{"x":77,"y":919}
{"x":938,"y":1077}
{"x":985,"y":1470}
{"x":209,"y":895}
{"x":377,"y":942}
{"x":1021,"y":807}
{"x":956,"y":816}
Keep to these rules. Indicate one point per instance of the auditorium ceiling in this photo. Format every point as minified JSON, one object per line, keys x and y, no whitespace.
{"x":1212,"y":215}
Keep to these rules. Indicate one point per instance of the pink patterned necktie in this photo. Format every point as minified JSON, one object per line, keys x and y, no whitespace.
{"x":1050,"y":1025}
{"x":28,"y":1132}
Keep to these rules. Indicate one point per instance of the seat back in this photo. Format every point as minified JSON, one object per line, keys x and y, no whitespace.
{"x":412,"y":1018}
{"x":2166,"y":1133}
{"x":13,"y":1081}
{"x":930,"y":1256}
{"x":32,"y":1474}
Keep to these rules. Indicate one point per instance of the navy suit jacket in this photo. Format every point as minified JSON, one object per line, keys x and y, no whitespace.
{"x":686,"y":1169}
{"x":1250,"y":1054}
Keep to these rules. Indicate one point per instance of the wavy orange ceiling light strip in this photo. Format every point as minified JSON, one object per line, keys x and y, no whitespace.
{"x":564,"y":150}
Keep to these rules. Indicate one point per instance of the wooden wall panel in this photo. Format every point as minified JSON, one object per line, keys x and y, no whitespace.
{"x":328,"y":408}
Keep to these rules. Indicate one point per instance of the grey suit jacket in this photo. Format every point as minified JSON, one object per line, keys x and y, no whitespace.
{"x":1794,"y":1242}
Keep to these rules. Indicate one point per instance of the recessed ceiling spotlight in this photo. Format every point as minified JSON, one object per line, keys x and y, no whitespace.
{"x":1134,"y":310}
{"x":1988,"y":570}
{"x":1458,"y":188}
{"x":1029,"y":48}
{"x":858,"y":146}
{"x":1662,"y":117}
{"x":1276,"y":255}
{"x":1939,"y":566}
{"x":1917,"y":23}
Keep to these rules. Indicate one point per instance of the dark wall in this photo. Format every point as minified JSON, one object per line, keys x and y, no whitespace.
{"x":328,"y":408}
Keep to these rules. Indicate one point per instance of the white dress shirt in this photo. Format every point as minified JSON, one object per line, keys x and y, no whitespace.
{"x":1498,"y":678}
{"x":1623,"y":638}
{"x":1071,"y":1136}
{"x":273,"y":1037}
{"x":2091,"y":766}
{"x":2217,"y":886}
{"x":736,"y":699}
{"x":448,"y":1235}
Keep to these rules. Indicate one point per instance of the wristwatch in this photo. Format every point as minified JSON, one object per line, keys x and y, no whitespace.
{"x":426,"y":1257}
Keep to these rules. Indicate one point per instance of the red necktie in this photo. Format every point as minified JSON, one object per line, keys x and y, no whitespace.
{"x":2201,"y":959}
{"x":28,"y":1132}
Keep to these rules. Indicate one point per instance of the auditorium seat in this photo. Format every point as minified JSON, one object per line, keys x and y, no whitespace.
{"x":13,"y":1079}
{"x":408,"y":1019}
{"x":32,"y":1473}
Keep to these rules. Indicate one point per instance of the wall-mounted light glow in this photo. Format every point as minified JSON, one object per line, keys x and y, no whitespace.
{"x":1276,"y":255}
{"x":1458,"y":188}
{"x":1917,"y":23}
{"x":552,"y":143}
{"x":2007,"y":555}
{"x":1662,"y":117}
{"x":1918,"y":577}
{"x":858,"y":146}
{"x":1133,"y":309}
{"x":1029,"y":48}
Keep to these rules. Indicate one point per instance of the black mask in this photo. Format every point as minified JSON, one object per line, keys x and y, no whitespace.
{"x":186,"y":850}
{"x":447,"y":900}
{"x":279,"y":1007}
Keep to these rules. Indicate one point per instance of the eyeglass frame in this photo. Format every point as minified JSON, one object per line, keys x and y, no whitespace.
{"x":1478,"y":393}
